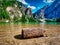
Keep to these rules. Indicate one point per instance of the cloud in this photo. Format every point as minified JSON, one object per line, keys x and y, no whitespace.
{"x":27,"y":4}
{"x":32,"y":7}
{"x":23,"y":1}
{"x":48,"y":1}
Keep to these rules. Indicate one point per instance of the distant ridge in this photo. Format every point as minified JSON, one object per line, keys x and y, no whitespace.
{"x":52,"y":11}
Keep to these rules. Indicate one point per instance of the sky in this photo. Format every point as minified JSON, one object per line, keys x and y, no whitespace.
{"x":36,"y":4}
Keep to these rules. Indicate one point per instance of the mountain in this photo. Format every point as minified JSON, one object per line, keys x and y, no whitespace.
{"x":52,"y":11}
{"x":9,"y":11}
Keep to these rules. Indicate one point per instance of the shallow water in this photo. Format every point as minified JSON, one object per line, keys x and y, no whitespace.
{"x":9,"y":30}
{"x":18,"y":26}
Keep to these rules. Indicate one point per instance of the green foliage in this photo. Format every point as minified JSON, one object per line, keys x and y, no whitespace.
{"x":23,"y":19}
{"x":4,"y":14}
{"x":16,"y":19}
{"x":58,"y":20}
{"x":31,"y":19}
{"x":3,"y":5}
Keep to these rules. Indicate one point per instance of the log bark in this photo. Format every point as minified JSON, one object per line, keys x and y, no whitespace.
{"x":31,"y":33}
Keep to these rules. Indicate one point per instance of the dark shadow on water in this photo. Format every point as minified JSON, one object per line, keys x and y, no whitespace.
{"x":20,"y":37}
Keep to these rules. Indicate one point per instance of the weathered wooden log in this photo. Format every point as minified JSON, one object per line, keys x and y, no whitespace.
{"x":31,"y":33}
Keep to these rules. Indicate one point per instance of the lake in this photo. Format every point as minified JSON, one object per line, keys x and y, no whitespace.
{"x":8,"y":31}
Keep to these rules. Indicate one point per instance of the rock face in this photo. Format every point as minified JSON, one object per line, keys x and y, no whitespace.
{"x":31,"y":33}
{"x":53,"y":11}
{"x":14,"y":11}
{"x":28,"y":11}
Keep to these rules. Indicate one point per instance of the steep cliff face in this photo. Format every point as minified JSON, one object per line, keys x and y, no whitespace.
{"x":14,"y":12}
{"x":52,"y":11}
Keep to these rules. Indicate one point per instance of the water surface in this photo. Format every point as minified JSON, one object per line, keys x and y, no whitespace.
{"x":8,"y":31}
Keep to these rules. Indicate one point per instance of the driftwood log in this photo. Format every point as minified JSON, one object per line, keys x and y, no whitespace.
{"x":31,"y":33}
